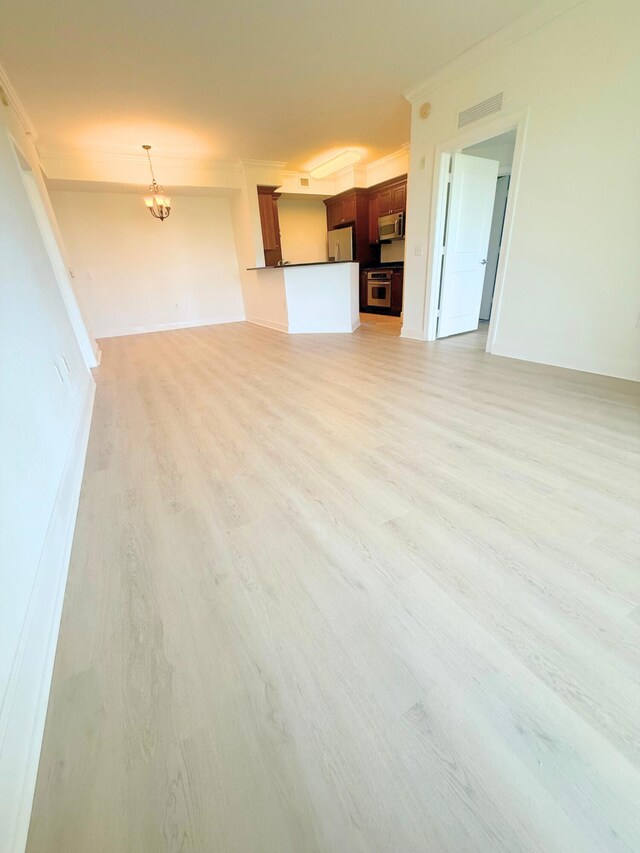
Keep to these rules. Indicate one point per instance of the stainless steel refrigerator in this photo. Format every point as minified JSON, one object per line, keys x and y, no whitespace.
{"x":340,"y":244}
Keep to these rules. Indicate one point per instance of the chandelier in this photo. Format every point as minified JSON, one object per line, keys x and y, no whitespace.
{"x":158,"y":203}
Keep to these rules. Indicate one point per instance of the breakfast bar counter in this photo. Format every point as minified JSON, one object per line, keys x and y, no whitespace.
{"x":319,"y":297}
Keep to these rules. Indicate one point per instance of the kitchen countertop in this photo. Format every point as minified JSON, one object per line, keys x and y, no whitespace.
{"x":307,"y":264}
{"x":393,"y":265}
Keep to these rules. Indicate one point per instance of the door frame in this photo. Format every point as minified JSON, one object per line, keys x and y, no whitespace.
{"x":443,"y":152}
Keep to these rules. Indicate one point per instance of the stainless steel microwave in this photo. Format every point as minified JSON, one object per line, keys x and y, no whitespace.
{"x":391,"y":227}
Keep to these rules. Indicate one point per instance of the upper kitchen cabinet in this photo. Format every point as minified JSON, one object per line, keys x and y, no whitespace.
{"x":335,"y":207}
{"x":268,"y":204}
{"x":352,"y":208}
{"x":341,"y":209}
{"x":399,"y":197}
{"x":384,"y":199}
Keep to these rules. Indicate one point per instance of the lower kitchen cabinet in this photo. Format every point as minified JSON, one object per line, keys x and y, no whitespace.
{"x":363,"y":290}
{"x":395,"y":308}
{"x":396,"y":291}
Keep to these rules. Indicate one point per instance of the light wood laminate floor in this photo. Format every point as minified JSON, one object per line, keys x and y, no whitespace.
{"x":380,"y":323}
{"x":347,"y":593}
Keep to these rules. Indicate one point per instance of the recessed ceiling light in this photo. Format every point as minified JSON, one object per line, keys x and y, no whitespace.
{"x":347,"y":158}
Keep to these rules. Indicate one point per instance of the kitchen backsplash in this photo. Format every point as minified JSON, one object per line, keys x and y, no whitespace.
{"x":392,"y":252}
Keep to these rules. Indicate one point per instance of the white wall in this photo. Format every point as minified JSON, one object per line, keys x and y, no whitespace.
{"x":138,"y":274}
{"x":263,"y":292}
{"x":303,"y":229}
{"x":388,"y":167}
{"x":46,"y":396}
{"x":572,"y":293}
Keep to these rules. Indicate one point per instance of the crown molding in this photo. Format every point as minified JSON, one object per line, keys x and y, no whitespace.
{"x":341,"y":173}
{"x":289,"y":173}
{"x":114,"y":158}
{"x":137,"y":188}
{"x":516,"y":30}
{"x":399,"y":152}
{"x":404,"y":149}
{"x":16,"y":104}
{"x":267,"y":164}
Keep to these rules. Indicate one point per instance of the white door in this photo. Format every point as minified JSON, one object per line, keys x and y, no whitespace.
{"x":473,"y":189}
{"x":493,"y":252}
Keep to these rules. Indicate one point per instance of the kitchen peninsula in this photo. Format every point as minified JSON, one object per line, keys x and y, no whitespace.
{"x":357,"y":229}
{"x":310,"y":297}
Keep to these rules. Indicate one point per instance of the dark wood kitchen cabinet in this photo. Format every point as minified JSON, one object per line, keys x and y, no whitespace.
{"x":335,"y":212}
{"x":384,"y":199}
{"x":397,"y":277}
{"x":341,"y":209}
{"x":399,"y":197}
{"x":363,"y":290}
{"x":361,"y":208}
{"x":270,"y":223}
{"x":352,"y":208}
{"x":373,"y":217}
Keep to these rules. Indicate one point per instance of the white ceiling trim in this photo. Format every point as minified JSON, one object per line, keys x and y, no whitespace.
{"x":112,"y":158}
{"x":516,"y":30}
{"x":263,"y":164}
{"x":389,"y":157}
{"x":121,"y":187}
{"x":374,"y":163}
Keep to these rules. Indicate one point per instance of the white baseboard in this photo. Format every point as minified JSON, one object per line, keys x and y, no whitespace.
{"x":269,"y":324}
{"x":282,"y":327}
{"x":167,"y":327}
{"x":616,"y":370}
{"x":23,"y":713}
{"x":346,"y":330}
{"x":412,"y":334}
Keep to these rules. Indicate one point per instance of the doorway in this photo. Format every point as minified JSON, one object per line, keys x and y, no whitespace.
{"x":501,"y":149}
{"x":472,"y":214}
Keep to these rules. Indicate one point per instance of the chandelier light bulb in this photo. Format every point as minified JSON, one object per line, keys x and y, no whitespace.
{"x":158,"y":204}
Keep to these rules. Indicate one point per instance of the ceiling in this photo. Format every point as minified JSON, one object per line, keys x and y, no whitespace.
{"x":500,"y":148}
{"x":292,"y":80}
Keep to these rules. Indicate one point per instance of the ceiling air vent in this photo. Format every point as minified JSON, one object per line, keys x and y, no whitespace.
{"x":484,"y":108}
{"x":304,"y":182}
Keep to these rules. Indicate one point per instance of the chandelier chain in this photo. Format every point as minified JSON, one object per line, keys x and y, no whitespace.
{"x":153,"y":177}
